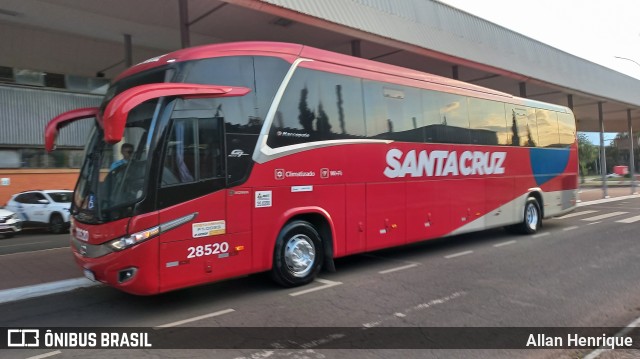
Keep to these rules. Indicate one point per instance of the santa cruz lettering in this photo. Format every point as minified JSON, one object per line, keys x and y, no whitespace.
{"x":443,"y":163}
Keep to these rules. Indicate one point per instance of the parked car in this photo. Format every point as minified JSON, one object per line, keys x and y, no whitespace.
{"x":43,"y":208}
{"x":10,"y":223}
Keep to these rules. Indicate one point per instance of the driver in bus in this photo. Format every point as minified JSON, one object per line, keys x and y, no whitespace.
{"x":126,"y":150}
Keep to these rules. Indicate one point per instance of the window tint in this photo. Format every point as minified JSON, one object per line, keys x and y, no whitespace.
{"x":262,"y":75}
{"x":547,"y":128}
{"x":194,"y":150}
{"x":180,"y":155}
{"x":194,"y":163}
{"x":488,"y":123}
{"x":23,"y":198}
{"x":446,"y":117}
{"x":393,"y":112}
{"x":318,"y":106}
{"x":522,"y":126}
{"x":566,"y":128}
{"x":61,"y":197}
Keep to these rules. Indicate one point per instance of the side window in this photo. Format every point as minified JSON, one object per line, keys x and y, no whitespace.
{"x":446,"y":117}
{"x":194,"y":162}
{"x":194,"y":150}
{"x":523,"y":130}
{"x":547,"y":128}
{"x":23,"y":198}
{"x":488,"y":123}
{"x":566,"y":129}
{"x":393,"y":112}
{"x":180,"y":155}
{"x":318,"y":106}
{"x":261,"y":74}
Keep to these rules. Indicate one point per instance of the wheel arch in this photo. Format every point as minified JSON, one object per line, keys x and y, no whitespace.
{"x":537,"y":194}
{"x":321,"y":220}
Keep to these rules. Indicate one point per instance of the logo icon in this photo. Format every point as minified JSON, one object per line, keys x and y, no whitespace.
{"x":23,"y":338}
{"x":238,"y":153}
{"x":279,"y":174}
{"x":92,"y":201}
{"x":324,"y":173}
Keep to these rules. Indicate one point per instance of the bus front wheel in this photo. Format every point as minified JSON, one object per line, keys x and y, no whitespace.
{"x":298,"y":254}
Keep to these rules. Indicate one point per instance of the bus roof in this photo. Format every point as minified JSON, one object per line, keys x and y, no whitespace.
{"x":282,"y":49}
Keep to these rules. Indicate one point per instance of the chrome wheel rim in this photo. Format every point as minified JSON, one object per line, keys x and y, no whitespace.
{"x":300,"y":255}
{"x":531,"y":217}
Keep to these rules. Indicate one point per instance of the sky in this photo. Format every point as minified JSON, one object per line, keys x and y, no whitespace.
{"x":596,"y":30}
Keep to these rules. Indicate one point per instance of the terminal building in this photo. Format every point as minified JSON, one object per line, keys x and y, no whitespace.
{"x":61,"y":54}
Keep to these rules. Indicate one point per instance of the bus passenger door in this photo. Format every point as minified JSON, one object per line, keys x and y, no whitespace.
{"x":193,"y":186}
{"x":385,"y":215}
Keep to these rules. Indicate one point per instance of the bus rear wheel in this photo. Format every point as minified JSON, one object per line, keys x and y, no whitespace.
{"x":532,"y":219}
{"x":298,"y":254}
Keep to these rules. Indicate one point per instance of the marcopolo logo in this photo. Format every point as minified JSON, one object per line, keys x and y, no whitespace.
{"x":443,"y":163}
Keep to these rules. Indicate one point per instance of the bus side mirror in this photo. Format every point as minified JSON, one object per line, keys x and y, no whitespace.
{"x":115,"y":114}
{"x":62,"y":120}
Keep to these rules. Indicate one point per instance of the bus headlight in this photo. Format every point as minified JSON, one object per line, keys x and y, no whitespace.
{"x":136,"y":238}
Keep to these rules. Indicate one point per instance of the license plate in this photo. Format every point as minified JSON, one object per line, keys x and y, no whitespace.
{"x":89,"y":275}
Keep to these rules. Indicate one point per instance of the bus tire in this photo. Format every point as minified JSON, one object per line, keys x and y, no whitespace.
{"x":298,"y":254}
{"x":532,"y":217}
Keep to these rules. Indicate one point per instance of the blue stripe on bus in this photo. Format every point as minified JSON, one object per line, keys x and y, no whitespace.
{"x":548,"y":163}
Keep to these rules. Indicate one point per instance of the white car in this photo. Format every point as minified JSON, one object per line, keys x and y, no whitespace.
{"x":48,"y":208}
{"x":10,"y":224}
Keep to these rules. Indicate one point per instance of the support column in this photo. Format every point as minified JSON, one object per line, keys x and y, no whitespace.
{"x":523,"y":89}
{"x":355,"y":48}
{"x":603,"y":159}
{"x":632,"y":161}
{"x":185,"y":39}
{"x":128,"y":51}
{"x":454,"y":72}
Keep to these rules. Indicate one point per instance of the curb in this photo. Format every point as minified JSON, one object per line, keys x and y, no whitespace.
{"x":32,"y":291}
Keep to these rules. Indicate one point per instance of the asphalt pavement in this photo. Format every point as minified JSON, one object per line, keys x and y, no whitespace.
{"x":36,"y":273}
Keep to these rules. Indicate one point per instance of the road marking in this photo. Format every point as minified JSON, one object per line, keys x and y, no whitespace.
{"x":41,"y":250}
{"x":504,"y":243}
{"x":416,"y":308}
{"x":327,"y":284}
{"x":398,"y":268}
{"x":24,"y":244}
{"x":603,"y":216}
{"x":194,"y":319}
{"x":543,"y":234}
{"x":458,"y":254}
{"x":570,"y":228}
{"x":605,"y":200}
{"x":596,"y":353}
{"x":38,"y":290}
{"x":575,"y":214}
{"x":629,"y":220}
{"x":588,"y":224}
{"x":45,"y":355}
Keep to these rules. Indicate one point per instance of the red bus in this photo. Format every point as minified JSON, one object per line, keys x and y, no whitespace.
{"x":223,"y":160}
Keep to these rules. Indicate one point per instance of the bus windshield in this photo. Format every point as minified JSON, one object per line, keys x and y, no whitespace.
{"x":113,"y":176}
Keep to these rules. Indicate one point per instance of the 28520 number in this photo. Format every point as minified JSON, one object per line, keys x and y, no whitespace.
{"x":208,"y":250}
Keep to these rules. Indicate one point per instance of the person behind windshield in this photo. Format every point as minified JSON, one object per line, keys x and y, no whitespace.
{"x":126,"y":150}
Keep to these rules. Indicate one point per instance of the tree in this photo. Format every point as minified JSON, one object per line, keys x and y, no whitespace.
{"x":587,"y":153}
